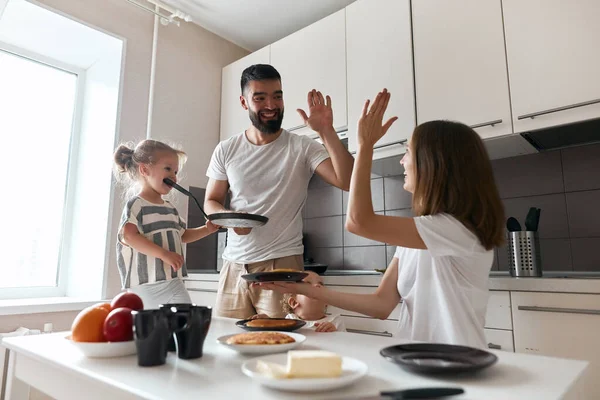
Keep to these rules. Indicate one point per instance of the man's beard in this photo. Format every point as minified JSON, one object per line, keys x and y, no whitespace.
{"x":271,"y":126}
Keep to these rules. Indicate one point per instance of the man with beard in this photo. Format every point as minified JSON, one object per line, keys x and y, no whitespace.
{"x":266,"y":171}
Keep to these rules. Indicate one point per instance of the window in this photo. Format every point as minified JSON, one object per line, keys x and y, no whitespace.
{"x":38,"y":103}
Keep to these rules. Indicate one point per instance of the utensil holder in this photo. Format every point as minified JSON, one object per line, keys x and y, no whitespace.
{"x":524,"y":254}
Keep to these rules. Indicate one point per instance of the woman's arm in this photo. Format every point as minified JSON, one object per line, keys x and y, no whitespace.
{"x":379,"y":304}
{"x":361,"y":219}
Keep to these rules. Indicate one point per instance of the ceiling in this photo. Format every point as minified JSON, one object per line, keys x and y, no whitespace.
{"x":253,"y":24}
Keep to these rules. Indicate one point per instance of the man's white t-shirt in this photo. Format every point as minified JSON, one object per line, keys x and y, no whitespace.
{"x":270,"y":180}
{"x":444,"y":288}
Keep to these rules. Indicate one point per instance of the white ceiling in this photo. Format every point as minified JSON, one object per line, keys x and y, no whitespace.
{"x":253,"y":24}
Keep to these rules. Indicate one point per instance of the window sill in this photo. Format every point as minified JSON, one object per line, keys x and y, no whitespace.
{"x":44,"y":305}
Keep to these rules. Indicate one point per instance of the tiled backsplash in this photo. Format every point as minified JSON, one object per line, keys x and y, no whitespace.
{"x":565,"y":184}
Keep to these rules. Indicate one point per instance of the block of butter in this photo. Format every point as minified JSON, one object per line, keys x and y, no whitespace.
{"x":313,"y":364}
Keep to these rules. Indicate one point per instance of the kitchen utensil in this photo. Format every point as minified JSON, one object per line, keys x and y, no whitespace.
{"x":352,"y":370}
{"x":422,"y":393}
{"x":513,"y":225}
{"x":318,"y":268}
{"x":524,"y":255}
{"x":530,"y":219}
{"x":537,"y":219}
{"x":242,"y":324}
{"x":151,"y":333}
{"x":275,"y":276}
{"x":224,"y":219}
{"x":263,"y":348}
{"x":437,"y":358}
{"x":190,"y":324}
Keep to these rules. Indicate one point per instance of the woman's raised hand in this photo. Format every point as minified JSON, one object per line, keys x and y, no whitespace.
{"x":370,"y":128}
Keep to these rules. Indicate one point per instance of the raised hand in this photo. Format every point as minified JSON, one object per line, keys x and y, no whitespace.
{"x":320,"y":113}
{"x":370,"y":128}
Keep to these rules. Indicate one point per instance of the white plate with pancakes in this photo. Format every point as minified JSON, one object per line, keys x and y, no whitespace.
{"x":263,"y":342}
{"x":352,"y":370}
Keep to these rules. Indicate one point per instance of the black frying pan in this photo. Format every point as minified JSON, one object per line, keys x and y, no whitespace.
{"x":225,"y":219}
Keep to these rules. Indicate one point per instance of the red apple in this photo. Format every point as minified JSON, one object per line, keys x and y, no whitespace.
{"x":128,"y":300}
{"x":118,"y":325}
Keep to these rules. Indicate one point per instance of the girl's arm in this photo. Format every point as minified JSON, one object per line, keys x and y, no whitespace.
{"x":378,"y":305}
{"x":361,"y":219}
{"x":193,"y":234}
{"x":133,"y":238}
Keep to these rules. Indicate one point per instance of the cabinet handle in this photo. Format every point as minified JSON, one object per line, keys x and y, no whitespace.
{"x":202,"y":290}
{"x":386,"y":333}
{"x":401,"y":142}
{"x":492,"y":123}
{"x":494,"y":346}
{"x":559,"y":310}
{"x":553,"y":110}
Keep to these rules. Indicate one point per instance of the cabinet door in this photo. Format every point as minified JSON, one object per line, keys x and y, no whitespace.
{"x":203,"y":297}
{"x":553,"y":51}
{"x":379,"y":46}
{"x":498,"y":310}
{"x":460,"y":64}
{"x":499,"y":339}
{"x":313,"y":58}
{"x":234,"y":119}
{"x":559,"y":325}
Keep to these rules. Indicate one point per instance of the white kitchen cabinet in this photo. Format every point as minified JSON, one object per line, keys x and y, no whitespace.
{"x":498,"y":314}
{"x":379,"y":55}
{"x":203,"y":297}
{"x":460,"y":64}
{"x":313,"y":58}
{"x":499,"y":339}
{"x":234,"y":119}
{"x":559,"y":325}
{"x":553,"y":51}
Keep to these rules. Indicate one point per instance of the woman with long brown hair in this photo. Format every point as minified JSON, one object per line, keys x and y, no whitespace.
{"x":445,"y":253}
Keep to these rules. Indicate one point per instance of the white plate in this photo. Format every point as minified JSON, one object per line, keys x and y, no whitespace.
{"x":104,"y":349}
{"x":352,"y":370}
{"x":263,"y":348}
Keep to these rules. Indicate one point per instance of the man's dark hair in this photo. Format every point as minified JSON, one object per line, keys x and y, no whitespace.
{"x":258,"y":72}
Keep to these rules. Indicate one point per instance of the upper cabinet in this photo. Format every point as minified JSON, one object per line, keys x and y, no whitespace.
{"x":379,"y":47}
{"x":460,"y":64}
{"x":553,"y":50}
{"x":234,"y":119}
{"x":313,"y":58}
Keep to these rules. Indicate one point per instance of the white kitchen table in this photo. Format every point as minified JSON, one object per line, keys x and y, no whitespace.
{"x":52,"y":365}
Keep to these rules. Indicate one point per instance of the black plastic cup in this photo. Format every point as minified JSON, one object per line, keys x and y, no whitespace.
{"x":151,"y":332}
{"x":169,"y":310}
{"x":190,"y":325}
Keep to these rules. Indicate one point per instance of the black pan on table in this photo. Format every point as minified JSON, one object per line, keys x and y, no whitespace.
{"x":438,"y":358}
{"x":276,"y":276}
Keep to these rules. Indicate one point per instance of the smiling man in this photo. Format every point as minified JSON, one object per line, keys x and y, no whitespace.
{"x":266,"y":170}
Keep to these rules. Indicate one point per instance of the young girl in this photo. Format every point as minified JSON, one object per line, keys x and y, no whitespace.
{"x":151,"y":233}
{"x":445,"y":253}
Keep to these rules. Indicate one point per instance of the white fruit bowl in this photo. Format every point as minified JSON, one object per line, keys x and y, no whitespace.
{"x":104,"y":349}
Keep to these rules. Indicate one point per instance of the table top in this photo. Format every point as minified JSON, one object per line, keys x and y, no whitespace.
{"x":218,"y":373}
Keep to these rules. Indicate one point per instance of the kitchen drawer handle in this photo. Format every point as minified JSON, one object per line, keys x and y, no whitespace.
{"x":560,"y":310}
{"x":553,"y":110}
{"x":386,"y":333}
{"x":494,"y":346}
{"x":401,"y":142}
{"x":202,"y":290}
{"x":491,"y":123}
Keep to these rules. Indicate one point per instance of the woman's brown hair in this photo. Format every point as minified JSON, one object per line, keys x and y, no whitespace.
{"x":453,"y":175}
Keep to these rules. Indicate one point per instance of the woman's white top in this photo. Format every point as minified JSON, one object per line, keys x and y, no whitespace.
{"x":444,"y":288}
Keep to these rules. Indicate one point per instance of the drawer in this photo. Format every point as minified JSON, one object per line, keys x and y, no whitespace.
{"x":361,"y":290}
{"x":203,"y":297}
{"x":370,"y":326}
{"x":498,"y":315}
{"x":207,"y":285}
{"x":498,"y":339}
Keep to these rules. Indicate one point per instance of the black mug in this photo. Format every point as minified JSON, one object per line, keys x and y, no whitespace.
{"x":190,"y":323}
{"x":151,"y":332}
{"x":169,"y":309}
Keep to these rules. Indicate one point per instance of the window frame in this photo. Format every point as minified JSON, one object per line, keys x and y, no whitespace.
{"x":60,"y":290}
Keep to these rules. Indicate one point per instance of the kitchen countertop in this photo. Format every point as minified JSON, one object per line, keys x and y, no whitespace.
{"x":54,"y":366}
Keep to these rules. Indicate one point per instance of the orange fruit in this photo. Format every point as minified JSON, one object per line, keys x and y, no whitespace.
{"x":106,"y":306}
{"x":88,"y":325}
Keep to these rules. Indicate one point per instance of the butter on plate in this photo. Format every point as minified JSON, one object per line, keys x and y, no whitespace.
{"x":304,"y":364}
{"x":313,"y":364}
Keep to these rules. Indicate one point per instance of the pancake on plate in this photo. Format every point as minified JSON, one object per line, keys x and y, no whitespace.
{"x":260,"y":338}
{"x":271,"y":323}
